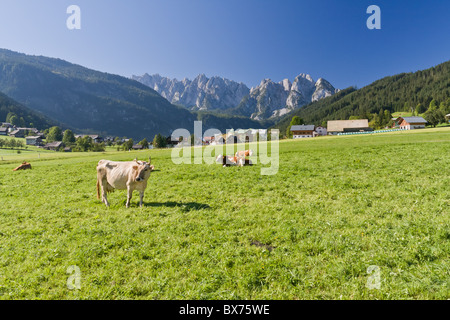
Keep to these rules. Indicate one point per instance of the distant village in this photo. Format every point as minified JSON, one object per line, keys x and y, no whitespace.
{"x":359,"y":126}
{"x":334,"y":127}
{"x":34,"y":137}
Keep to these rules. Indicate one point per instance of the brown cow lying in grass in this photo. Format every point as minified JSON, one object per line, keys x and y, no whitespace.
{"x":24,"y":166}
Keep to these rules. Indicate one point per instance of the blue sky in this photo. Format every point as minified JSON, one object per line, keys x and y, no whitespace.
{"x":243,"y":40}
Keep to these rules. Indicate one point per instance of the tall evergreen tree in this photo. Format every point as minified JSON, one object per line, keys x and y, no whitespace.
{"x":433,"y":105}
{"x":420,"y":109}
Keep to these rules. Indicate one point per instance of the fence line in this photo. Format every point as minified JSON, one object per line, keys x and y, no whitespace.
{"x":370,"y":132}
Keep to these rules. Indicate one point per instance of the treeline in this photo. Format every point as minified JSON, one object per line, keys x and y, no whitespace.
{"x":407,"y":92}
{"x":86,"y":143}
{"x":12,"y":144}
{"x":435,"y":115}
{"x":126,"y":144}
{"x":159,"y":141}
{"x":82,"y":144}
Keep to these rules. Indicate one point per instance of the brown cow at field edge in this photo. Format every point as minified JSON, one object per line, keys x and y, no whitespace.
{"x":24,"y":166}
{"x":130,"y":176}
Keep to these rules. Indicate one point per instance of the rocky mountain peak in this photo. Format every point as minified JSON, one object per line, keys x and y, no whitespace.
{"x":267,"y":100}
{"x":323,"y":89}
{"x":202,"y":93}
{"x":286,"y":84}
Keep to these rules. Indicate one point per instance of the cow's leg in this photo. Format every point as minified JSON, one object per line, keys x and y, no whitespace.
{"x":130,"y":194}
{"x":105,"y":200}
{"x":104,"y":196}
{"x":141,"y":194}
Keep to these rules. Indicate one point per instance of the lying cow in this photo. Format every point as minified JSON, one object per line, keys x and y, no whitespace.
{"x":24,"y":166}
{"x":130,"y":176}
{"x":241,"y":162}
{"x":233,"y":161}
{"x":226,"y":161}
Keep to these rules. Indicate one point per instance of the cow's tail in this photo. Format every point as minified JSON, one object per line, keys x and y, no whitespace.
{"x":98,"y":189}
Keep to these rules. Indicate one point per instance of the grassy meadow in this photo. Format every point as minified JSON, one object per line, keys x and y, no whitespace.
{"x":337,"y":206}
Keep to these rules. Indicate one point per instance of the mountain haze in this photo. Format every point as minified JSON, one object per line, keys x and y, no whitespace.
{"x":29,"y":117}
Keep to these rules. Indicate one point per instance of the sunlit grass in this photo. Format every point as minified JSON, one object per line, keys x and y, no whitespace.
{"x":337,"y":206}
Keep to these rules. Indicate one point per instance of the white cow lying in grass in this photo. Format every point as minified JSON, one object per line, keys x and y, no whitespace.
{"x":243,"y":154}
{"x":130,"y":176}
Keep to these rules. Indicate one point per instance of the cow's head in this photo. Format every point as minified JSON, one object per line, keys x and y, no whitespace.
{"x":142,"y":170}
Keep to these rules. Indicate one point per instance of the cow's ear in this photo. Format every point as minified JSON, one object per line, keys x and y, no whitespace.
{"x":152,"y":168}
{"x":135,"y":167}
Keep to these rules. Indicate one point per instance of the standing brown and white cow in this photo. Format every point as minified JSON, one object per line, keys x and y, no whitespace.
{"x":130,"y":176}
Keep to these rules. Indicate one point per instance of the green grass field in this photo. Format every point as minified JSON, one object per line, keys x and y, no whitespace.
{"x":337,"y":206}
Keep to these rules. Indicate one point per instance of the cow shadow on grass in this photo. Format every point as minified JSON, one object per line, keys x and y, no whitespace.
{"x":185,"y":206}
